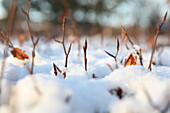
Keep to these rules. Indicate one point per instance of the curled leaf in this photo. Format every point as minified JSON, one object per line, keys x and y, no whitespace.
{"x":19,"y":54}
{"x":131,"y":60}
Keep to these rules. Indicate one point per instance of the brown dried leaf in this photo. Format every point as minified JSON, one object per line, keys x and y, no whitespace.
{"x":131,"y":60}
{"x":19,"y":54}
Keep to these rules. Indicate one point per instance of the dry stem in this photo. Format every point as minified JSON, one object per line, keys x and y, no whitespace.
{"x":6,"y":37}
{"x":110,"y":67}
{"x":85,"y":55}
{"x":34,"y":43}
{"x":139,"y":53}
{"x":117,"y":51}
{"x":156,"y":38}
{"x":63,"y":44}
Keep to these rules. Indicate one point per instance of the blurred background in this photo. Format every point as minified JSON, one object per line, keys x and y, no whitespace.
{"x":85,"y":17}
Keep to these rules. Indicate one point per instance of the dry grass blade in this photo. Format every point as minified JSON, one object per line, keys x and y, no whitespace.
{"x":110,"y":67}
{"x":156,"y":38}
{"x":85,"y":54}
{"x":124,"y":34}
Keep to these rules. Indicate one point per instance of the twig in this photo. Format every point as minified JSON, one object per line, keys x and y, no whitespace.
{"x":138,"y":52}
{"x":34,"y":43}
{"x":12,"y":16}
{"x":159,"y":26}
{"x":85,"y":54}
{"x":56,"y":68}
{"x":117,"y":51}
{"x":63,"y":44}
{"x":110,"y":67}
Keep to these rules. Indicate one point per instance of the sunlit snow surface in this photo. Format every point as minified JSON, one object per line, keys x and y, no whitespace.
{"x":80,"y":92}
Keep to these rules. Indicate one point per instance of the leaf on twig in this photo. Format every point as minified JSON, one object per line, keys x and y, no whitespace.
{"x":131,"y":60}
{"x":19,"y":54}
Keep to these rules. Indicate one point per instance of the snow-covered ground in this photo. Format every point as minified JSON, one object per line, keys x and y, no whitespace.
{"x":130,"y":89}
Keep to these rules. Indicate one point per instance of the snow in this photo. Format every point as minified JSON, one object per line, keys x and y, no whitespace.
{"x":80,"y":92}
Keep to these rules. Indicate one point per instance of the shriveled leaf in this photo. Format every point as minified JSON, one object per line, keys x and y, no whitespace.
{"x":131,"y":60}
{"x":19,"y":54}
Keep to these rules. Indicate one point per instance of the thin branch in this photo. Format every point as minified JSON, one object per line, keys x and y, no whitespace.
{"x":34,"y":43}
{"x":117,"y":51}
{"x":110,"y":67}
{"x":85,"y":54}
{"x":138,"y":52}
{"x":63,"y":35}
{"x":159,"y":26}
{"x":110,"y":54}
{"x":63,"y":44}
{"x":55,"y":70}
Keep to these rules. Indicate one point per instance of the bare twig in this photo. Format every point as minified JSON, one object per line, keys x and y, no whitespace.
{"x":138,"y":52}
{"x":34,"y":43}
{"x":117,"y":51}
{"x":55,"y":70}
{"x":110,"y":67}
{"x":85,"y":54}
{"x":6,"y":37}
{"x":63,"y":44}
{"x":159,"y":26}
